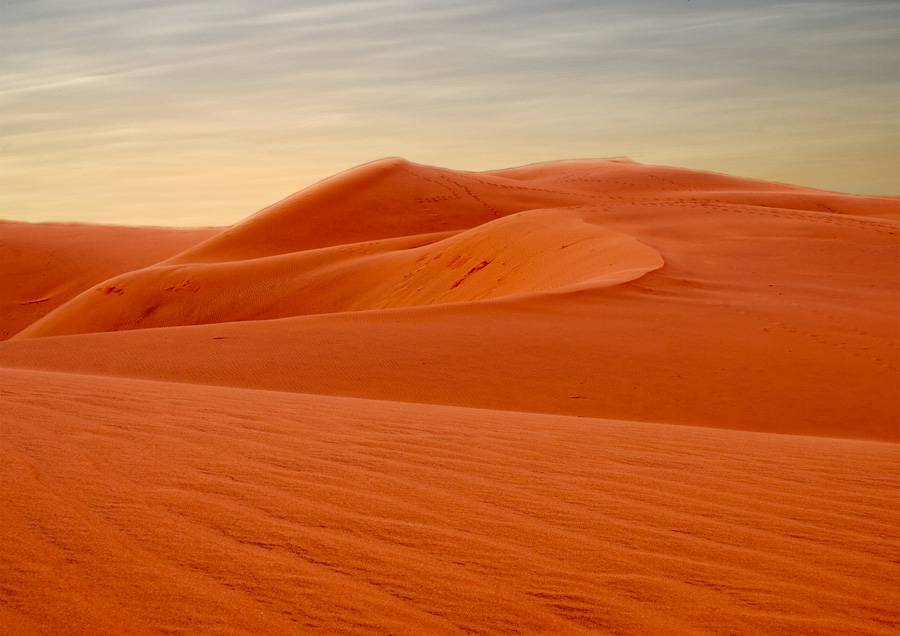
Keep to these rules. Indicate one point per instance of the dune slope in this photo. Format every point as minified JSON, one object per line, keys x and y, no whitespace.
{"x":43,"y":265}
{"x":217,"y":510}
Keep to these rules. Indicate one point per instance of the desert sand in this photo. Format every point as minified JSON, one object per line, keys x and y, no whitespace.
{"x":47,"y":264}
{"x":582,"y":396}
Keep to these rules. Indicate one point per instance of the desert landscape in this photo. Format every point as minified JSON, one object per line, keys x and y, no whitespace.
{"x":592,"y":396}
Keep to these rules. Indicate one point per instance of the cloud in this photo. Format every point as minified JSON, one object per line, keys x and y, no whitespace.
{"x":102,"y":101}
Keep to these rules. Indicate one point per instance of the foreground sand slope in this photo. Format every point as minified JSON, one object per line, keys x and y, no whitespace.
{"x":145,"y":507}
{"x":44,"y":265}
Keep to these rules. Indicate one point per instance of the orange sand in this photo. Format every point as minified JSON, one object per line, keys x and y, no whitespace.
{"x":46,"y":264}
{"x":138,"y":498}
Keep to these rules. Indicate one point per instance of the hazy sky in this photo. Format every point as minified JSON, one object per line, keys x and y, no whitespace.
{"x":201,"y":112}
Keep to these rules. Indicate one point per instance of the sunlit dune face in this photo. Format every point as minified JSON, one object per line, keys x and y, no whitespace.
{"x":198,"y":113}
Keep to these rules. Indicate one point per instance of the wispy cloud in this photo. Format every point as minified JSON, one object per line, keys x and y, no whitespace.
{"x":202,"y":111}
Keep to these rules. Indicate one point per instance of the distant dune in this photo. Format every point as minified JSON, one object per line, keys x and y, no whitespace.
{"x":47,"y":264}
{"x":552,"y":321}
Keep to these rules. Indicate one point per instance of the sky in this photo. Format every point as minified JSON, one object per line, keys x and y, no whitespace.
{"x":157,"y":112}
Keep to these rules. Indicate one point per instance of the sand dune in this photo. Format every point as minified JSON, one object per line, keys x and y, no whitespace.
{"x":393,"y":197}
{"x":417,"y":400}
{"x":389,"y":217}
{"x":46,"y":264}
{"x":525,"y":253}
{"x":211,"y":510}
{"x":623,"y":179}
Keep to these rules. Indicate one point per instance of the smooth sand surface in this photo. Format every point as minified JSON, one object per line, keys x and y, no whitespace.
{"x":416,"y":400}
{"x":207,"y":509}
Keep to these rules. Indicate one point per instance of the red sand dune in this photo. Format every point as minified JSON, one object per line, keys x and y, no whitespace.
{"x":506,"y":303}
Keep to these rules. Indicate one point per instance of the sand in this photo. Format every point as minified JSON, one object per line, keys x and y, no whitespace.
{"x":417,"y":400}
{"x":46,"y":264}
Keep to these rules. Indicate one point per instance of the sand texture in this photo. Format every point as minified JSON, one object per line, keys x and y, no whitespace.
{"x":575,"y":397}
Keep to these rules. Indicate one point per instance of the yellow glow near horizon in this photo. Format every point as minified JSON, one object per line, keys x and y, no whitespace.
{"x":200,"y":113}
